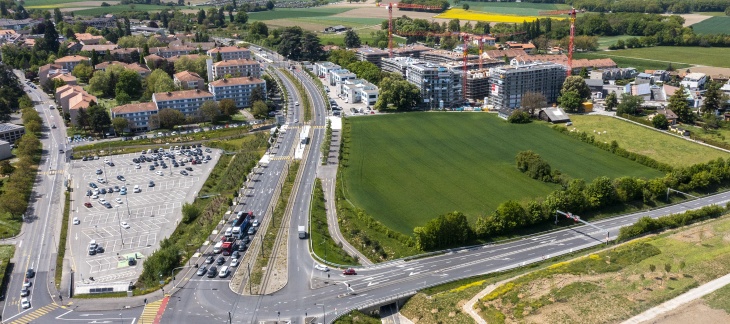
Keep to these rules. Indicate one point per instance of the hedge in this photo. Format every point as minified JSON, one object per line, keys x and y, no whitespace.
{"x":648,"y":225}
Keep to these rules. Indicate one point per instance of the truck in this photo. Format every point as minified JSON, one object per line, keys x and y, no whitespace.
{"x":241,"y":224}
{"x":227,"y":248}
{"x":302,"y":232}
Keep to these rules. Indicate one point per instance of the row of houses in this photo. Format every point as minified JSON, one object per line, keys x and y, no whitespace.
{"x":347,"y":84}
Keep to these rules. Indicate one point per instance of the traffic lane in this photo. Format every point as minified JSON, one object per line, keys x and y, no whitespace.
{"x":69,"y":315}
{"x":201,"y":299}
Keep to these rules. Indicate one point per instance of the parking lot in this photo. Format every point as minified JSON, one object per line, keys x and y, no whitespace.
{"x":128,"y":224}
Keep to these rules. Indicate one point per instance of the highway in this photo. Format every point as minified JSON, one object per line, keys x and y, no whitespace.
{"x":202,"y":299}
{"x":36,"y":246}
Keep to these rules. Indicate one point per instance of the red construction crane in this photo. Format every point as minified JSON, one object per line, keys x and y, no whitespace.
{"x":572,"y":15}
{"x":390,"y":6}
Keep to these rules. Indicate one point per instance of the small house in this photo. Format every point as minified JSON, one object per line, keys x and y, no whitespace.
{"x":554,"y":115}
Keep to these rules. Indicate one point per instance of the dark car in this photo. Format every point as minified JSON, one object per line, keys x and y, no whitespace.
{"x":209,"y":259}
{"x":89,"y":193}
{"x":156,"y":164}
{"x":111,"y":163}
{"x":99,"y":249}
{"x":30,"y":273}
{"x":24,"y":292}
{"x":152,"y":167}
{"x":103,"y":191}
{"x":202,"y":270}
{"x":349,"y":272}
{"x":242,"y":247}
{"x":212,"y":272}
{"x":84,"y":159}
{"x":220,"y":260}
{"x":131,"y":261}
{"x":135,"y":160}
{"x":164,"y":166}
{"x":93,"y":185}
{"x":251,"y":230}
{"x":235,"y":255}
{"x":151,"y":184}
{"x":183,"y":172}
{"x":87,"y":204}
{"x":121,"y":178}
{"x":189,"y":168}
{"x":116,"y":189}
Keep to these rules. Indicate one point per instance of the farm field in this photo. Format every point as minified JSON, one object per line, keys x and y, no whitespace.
{"x":51,"y":4}
{"x":634,"y":138}
{"x":614,"y":285}
{"x":714,"y":25}
{"x":472,"y":15}
{"x":285,"y":13}
{"x":605,"y":41}
{"x":638,"y":63}
{"x":122,"y":8}
{"x":419,"y":165}
{"x":710,"y":56}
{"x":512,"y":8}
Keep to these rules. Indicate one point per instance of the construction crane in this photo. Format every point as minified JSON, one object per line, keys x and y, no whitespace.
{"x":390,"y":6}
{"x":572,"y":15}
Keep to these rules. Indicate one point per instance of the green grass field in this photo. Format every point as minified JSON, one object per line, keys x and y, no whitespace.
{"x":714,"y":25}
{"x":295,"y":13}
{"x":639,"y":64}
{"x":605,"y":41}
{"x":512,"y":8}
{"x":6,"y":253}
{"x":661,"y":147}
{"x":710,"y":56}
{"x":120,"y":8}
{"x":405,"y":169}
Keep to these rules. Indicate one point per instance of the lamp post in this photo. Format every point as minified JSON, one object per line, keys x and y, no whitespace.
{"x":120,"y":224}
{"x":324,"y":315}
{"x":126,"y":197}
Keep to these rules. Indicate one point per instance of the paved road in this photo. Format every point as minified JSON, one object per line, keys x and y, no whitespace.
{"x":36,"y":245}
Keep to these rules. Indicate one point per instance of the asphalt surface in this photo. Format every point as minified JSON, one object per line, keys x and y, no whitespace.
{"x":36,"y":245}
{"x":310,"y":292}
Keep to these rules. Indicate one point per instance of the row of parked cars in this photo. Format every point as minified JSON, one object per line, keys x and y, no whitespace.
{"x":25,"y":291}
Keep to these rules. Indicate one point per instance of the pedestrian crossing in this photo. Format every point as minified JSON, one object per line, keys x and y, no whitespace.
{"x":32,"y":316}
{"x":152,"y":313}
{"x":280,"y":158}
{"x":52,"y":172}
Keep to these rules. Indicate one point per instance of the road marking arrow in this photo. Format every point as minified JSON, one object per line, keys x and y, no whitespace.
{"x":414,"y":273}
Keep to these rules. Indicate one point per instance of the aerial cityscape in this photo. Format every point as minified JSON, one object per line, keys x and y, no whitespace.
{"x":362,"y":161}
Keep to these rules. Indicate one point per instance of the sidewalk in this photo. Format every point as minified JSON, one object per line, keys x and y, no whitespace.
{"x":680,"y":300}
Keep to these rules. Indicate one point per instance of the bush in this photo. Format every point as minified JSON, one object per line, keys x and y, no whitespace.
{"x":532,"y":163}
{"x":519,"y":117}
{"x":648,"y":225}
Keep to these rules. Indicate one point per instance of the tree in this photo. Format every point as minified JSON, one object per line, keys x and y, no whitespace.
{"x":257,"y":94}
{"x":129,"y":82}
{"x":397,"y":94}
{"x":6,"y":168}
{"x":218,"y":57}
{"x":99,"y":118}
{"x":241,"y":17}
{"x":678,"y":104}
{"x":611,"y":101}
{"x":712,"y":101}
{"x":120,"y":124}
{"x":258,"y":29}
{"x":270,"y":5}
{"x":366,"y":70}
{"x":629,"y":104}
{"x":158,"y":81}
{"x":83,"y":71}
{"x":201,"y":16}
{"x":122,"y":98}
{"x":57,"y":15}
{"x":533,"y":101}
{"x":519,"y":116}
{"x":169,"y":118}
{"x":584,"y":73}
{"x":352,"y":40}
{"x":447,"y":230}
{"x":260,"y":110}
{"x":50,"y":38}
{"x":570,"y":101}
{"x":465,"y":6}
{"x":660,"y":121}
{"x":82,"y":118}
{"x":228,"y":107}
{"x":210,"y":110}
{"x":578,"y":85}
{"x":342,"y":57}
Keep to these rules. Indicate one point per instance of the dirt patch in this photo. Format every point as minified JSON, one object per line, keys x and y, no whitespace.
{"x":710,"y":70}
{"x":695,"y":235}
{"x":694,"y":312}
{"x":691,"y":19}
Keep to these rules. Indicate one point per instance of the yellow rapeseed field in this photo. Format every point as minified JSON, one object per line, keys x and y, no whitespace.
{"x":485,"y":16}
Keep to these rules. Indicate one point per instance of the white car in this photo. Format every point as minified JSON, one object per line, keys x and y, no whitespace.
{"x":106,"y":161}
{"x":159,"y":173}
{"x":76,"y":221}
{"x":137,"y":166}
{"x":118,"y":200}
{"x":25,"y":303}
{"x":125,"y":225}
{"x":102,"y":201}
{"x":27,"y":283}
{"x":234,"y":262}
{"x":321,"y":267}
{"x":101,"y":180}
{"x":255,"y":223}
{"x":95,"y":196}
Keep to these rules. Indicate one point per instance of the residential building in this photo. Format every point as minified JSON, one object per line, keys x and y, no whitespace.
{"x":321,"y":69}
{"x":173,"y":59}
{"x":500,"y":54}
{"x":694,"y":81}
{"x":98,"y":23}
{"x":509,"y":83}
{"x":152,"y":59}
{"x":67,"y":78}
{"x":186,"y":101}
{"x":335,"y":29}
{"x":5,"y":150}
{"x":236,"y":68}
{"x":238,"y":89}
{"x":413,"y":50}
{"x":338,"y":77}
{"x":397,"y":64}
{"x":643,"y":78}
{"x":11,"y":132}
{"x":613,"y":74}
{"x":72,"y":98}
{"x":18,"y":24}
{"x":486,"y":40}
{"x":561,"y":59}
{"x":370,"y":54}
{"x":444,"y":56}
{"x":71,"y":61}
{"x":440,"y":87}
{"x":553,"y":115}
{"x":88,"y":39}
{"x":188,"y":80}
{"x":49,"y":71}
{"x":125,"y":54}
{"x":101,"y":49}
{"x":359,"y":90}
{"x":138,"y":115}
{"x":230,"y":53}
{"x":477,"y":85}
{"x":167,"y":52}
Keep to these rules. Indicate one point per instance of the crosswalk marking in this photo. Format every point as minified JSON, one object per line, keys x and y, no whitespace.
{"x":151,"y":310}
{"x":281,"y":158}
{"x":52,"y":172}
{"x":27,"y":318}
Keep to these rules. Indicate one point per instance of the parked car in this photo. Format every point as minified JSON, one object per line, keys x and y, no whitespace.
{"x":221,"y":260}
{"x":76,"y":219}
{"x":125,"y":225}
{"x":25,"y":303}
{"x":30,"y":273}
{"x":87,"y":204}
{"x":121,"y":178}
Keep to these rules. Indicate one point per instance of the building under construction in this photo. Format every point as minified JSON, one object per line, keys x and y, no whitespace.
{"x":444,"y":56}
{"x":477,"y":85}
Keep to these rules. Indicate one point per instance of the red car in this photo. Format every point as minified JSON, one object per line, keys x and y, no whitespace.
{"x":349,"y":272}
{"x":87,"y":204}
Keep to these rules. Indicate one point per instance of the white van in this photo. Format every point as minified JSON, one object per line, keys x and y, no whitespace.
{"x":223,"y":272}
{"x":218,"y":247}
{"x":229,"y":232}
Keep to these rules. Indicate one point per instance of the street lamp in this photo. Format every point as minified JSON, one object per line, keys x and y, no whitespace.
{"x":324,"y":315}
{"x":126,"y":197}
{"x":120,"y":225}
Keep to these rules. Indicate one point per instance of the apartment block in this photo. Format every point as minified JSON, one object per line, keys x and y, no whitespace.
{"x":230,"y":53}
{"x":187,"y":101}
{"x":71,"y":61}
{"x":338,"y":77}
{"x":359,"y":90}
{"x":142,"y":70}
{"x":321,"y":69}
{"x":72,"y":98}
{"x":444,"y":56}
{"x":440,"y":87}
{"x":477,"y":85}
{"x":88,"y":39}
{"x":398,"y":64}
{"x":188,"y":80}
{"x":11,"y":132}
{"x":236,"y":68}
{"x":238,"y":89}
{"x":138,"y":115}
{"x":370,"y":54}
{"x":509,"y":83}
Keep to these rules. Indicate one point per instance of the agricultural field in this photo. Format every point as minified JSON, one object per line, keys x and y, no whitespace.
{"x":420,"y":165}
{"x":512,"y":8}
{"x":285,"y":13}
{"x":616,"y":284}
{"x":50,"y":4}
{"x":638,"y":63}
{"x":710,"y":56}
{"x":714,"y":25}
{"x":605,"y":41}
{"x":638,"y":139}
{"x":122,"y":8}
{"x":472,"y":15}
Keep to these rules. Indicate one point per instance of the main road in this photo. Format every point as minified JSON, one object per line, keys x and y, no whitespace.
{"x":36,"y":245}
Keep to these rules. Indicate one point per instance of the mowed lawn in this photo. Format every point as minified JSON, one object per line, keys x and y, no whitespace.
{"x":661,"y":147}
{"x":637,"y":63}
{"x":405,"y":169}
{"x":708,"y":56}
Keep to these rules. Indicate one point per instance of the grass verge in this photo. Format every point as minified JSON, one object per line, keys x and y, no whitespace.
{"x":357,"y":317}
{"x":306,"y":104}
{"x":327,"y":143}
{"x":62,"y":239}
{"x":117,"y":294}
{"x":720,"y":299}
{"x":322,"y":243}
{"x":6,"y":253}
{"x":269,"y":238}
